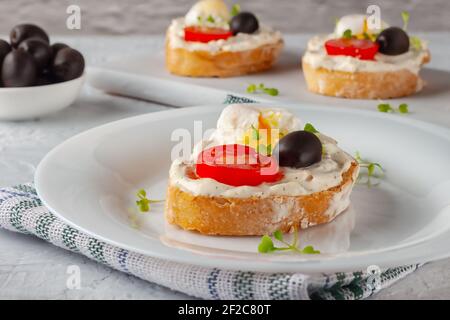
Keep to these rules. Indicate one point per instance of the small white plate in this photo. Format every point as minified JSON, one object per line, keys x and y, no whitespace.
{"x":90,"y":181}
{"x":30,"y":102}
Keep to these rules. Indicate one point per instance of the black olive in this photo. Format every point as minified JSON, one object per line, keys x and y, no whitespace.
{"x":19,"y":69}
{"x":39,"y":49}
{"x":68,"y":64}
{"x":44,"y":80}
{"x":298,"y":149}
{"x":56,"y":47}
{"x":26,"y":31}
{"x":5,"y":48}
{"x":393,"y":41}
{"x":244,"y":22}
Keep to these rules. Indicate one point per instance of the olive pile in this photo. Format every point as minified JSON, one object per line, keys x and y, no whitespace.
{"x":30,"y":60}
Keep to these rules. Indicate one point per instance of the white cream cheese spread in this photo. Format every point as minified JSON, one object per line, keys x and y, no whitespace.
{"x":318,"y":177}
{"x":317,"y":57}
{"x":239,"y":42}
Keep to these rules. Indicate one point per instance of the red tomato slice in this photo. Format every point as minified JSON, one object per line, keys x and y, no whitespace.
{"x":359,"y":48}
{"x":203,"y":34}
{"x":237,"y":165}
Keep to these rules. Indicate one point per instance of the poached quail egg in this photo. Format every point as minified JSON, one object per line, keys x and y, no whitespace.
{"x":209,"y":13}
{"x":358,"y":24}
{"x":237,"y":124}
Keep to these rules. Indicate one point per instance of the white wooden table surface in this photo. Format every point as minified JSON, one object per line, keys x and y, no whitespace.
{"x":33,"y":269}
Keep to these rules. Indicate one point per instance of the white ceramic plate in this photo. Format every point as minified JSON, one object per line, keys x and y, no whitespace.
{"x":90,"y":181}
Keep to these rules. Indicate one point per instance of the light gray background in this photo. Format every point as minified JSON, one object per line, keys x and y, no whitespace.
{"x":152,"y":16}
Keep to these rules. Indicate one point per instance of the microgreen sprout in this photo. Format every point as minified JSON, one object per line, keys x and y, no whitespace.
{"x":347,"y":34}
{"x":235,"y":9}
{"x":253,"y":88}
{"x":264,"y":149}
{"x":260,"y":147}
{"x":266,"y":244}
{"x":310,"y":128}
{"x":386,"y":108}
{"x":405,"y":18}
{"x":371,"y":167}
{"x":143,"y":203}
{"x":403,"y":108}
{"x":415,"y":42}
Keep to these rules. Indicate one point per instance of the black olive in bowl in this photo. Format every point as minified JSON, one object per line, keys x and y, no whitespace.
{"x":68,"y":64}
{"x":19,"y":69}
{"x":22,"y":32}
{"x":40,"y":50}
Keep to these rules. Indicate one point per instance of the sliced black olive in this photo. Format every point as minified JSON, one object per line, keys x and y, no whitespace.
{"x":298,"y":149}
{"x":393,"y":41}
{"x":244,"y":22}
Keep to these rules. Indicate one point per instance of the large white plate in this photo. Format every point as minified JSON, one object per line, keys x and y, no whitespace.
{"x":90,"y":181}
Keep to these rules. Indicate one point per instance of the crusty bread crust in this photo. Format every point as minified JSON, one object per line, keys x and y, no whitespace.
{"x":362,"y":85}
{"x":222,"y":64}
{"x":254,"y":215}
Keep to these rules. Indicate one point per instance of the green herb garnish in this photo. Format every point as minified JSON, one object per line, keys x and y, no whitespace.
{"x":347,"y":34}
{"x":267,"y":246}
{"x":260,"y":147}
{"x":255,"y":133}
{"x":253,"y":88}
{"x":403,"y":108}
{"x":415,"y":42}
{"x":143,"y":202}
{"x":210,"y":19}
{"x":405,"y":18}
{"x":371,"y":167}
{"x":271,"y":91}
{"x":386,"y":107}
{"x":263,"y":149}
{"x":310,"y":128}
{"x":235,"y":9}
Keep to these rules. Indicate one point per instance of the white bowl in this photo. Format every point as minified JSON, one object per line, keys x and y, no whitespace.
{"x":31,"y":102}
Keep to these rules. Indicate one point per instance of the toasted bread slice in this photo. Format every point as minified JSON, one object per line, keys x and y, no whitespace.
{"x":362,"y":85}
{"x":222,"y":64}
{"x":215,"y":215}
